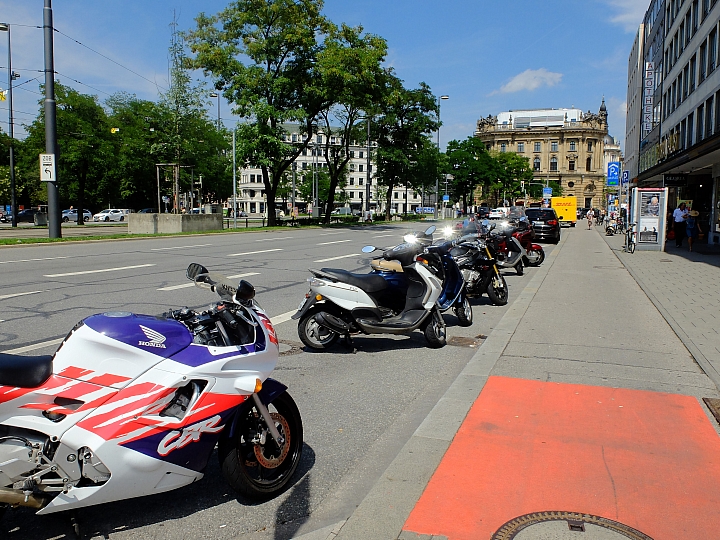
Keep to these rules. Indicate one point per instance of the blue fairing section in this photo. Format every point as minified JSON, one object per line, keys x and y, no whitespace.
{"x":198,"y":355}
{"x":165,"y":338}
{"x":193,"y":456}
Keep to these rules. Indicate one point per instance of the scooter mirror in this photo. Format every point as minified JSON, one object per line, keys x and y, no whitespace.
{"x":431,"y":229}
{"x":486,"y":223}
{"x":194,"y":270}
{"x":368,"y":249}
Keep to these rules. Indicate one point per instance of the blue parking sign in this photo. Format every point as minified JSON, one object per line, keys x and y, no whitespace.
{"x":625,"y":177}
{"x":613,"y":173}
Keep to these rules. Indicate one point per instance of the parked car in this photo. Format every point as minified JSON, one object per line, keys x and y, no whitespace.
{"x":545,"y":222}
{"x":147,"y":211}
{"x":71,"y":215}
{"x":496,"y":213}
{"x":482,"y":212}
{"x":111,"y":214}
{"x":27,"y":215}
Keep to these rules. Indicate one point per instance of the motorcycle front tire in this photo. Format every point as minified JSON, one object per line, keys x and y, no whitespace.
{"x":262,"y":471}
{"x":314,"y":335}
{"x":498,"y":295}
{"x":535,"y":257}
{"x":435,"y":330}
{"x":463,"y":311}
{"x":519,"y":268}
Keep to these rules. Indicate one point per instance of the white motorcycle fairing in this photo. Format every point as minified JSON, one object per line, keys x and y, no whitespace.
{"x":133,"y":406}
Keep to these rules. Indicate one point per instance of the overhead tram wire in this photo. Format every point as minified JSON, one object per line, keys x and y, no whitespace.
{"x":84,"y":84}
{"x":110,"y":59}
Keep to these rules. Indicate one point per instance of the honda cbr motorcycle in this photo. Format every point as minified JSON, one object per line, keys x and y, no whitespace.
{"x":341,"y":303}
{"x":132,"y":405}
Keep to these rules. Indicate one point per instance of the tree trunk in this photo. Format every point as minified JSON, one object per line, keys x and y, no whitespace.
{"x":388,"y":201}
{"x":81,"y":193}
{"x":270,"y":191}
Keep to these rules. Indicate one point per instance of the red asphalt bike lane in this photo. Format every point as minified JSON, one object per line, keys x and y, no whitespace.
{"x":649,"y":460}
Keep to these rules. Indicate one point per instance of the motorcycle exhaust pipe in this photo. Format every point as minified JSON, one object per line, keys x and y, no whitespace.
{"x":17,"y":498}
{"x":333,"y":323}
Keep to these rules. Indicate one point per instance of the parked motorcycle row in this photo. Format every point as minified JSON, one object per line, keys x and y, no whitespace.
{"x":132,"y":405}
{"x":413,"y":283}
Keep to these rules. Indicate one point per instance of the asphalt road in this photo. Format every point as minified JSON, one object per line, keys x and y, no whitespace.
{"x":358,"y":409}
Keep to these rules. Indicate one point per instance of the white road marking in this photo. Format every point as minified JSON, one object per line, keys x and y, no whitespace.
{"x":253,"y":252}
{"x":186,"y":285}
{"x":335,"y":242}
{"x":2,"y":320}
{"x":340,"y":257}
{"x":276,"y":238}
{"x":329,"y":233}
{"x":29,"y":348}
{"x":384,"y":235}
{"x":32,"y":260}
{"x":180,"y":247}
{"x":99,"y":271}
{"x":18,"y":294}
{"x":279,"y":319}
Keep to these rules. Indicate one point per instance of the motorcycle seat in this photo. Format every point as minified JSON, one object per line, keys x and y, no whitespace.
{"x":370,"y":283}
{"x":24,"y":371}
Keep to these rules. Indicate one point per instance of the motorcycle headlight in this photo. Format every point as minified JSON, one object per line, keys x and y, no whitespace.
{"x":447,"y":232}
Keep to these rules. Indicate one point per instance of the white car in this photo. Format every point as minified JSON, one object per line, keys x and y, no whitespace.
{"x":71,"y":215}
{"x":497,"y":213}
{"x":111,"y":214}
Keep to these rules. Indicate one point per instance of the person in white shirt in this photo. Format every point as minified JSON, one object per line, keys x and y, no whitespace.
{"x":679,"y":216}
{"x":590,"y":215}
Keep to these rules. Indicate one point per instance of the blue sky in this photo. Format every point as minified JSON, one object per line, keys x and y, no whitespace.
{"x":487,"y":56}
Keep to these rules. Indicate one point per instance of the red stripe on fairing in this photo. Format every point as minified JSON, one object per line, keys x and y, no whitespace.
{"x":9,"y":393}
{"x":72,"y":372}
{"x":269,"y":327}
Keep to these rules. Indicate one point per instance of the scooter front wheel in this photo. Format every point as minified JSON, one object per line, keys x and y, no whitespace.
{"x":463,"y":311}
{"x":535,"y":257}
{"x":313,"y":334}
{"x":257,"y":469}
{"x":519,"y":268}
{"x":435,"y":330}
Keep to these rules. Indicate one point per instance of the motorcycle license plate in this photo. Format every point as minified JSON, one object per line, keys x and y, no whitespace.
{"x":302,"y":303}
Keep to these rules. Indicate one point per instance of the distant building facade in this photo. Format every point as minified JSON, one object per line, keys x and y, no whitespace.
{"x":634,"y":104}
{"x":680,"y":142}
{"x":566,"y":146}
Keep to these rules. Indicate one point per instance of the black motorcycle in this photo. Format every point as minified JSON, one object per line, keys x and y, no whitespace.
{"x":478,"y":264}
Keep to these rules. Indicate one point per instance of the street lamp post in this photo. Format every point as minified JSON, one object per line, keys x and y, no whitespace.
{"x":438,"y":147}
{"x":4,"y":27}
{"x":234,"y":206}
{"x":216,"y":95}
{"x":368,"y":180}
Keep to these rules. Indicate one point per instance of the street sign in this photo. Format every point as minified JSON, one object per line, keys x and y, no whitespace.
{"x":547,"y":192}
{"x":47,"y":167}
{"x":613,"y":173}
{"x":446,"y":198}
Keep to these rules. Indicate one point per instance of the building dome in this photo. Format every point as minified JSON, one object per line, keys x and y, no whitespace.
{"x":603,"y":108}
{"x":610,"y":140}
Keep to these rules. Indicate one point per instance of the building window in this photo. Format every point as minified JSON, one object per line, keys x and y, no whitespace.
{"x":521,"y":147}
{"x":709,"y":117}
{"x":536,"y":164}
{"x":690,"y":132}
{"x":318,"y":139}
{"x":360,"y":181}
{"x":554,"y":146}
{"x":537,"y":147}
{"x":571,"y":165}
{"x":588,"y":164}
{"x":589,"y":146}
{"x":352,"y":194}
{"x":703,"y":58}
{"x":352,"y":153}
{"x":700,"y":123}
{"x":691,"y":82}
{"x":395,"y":195}
{"x":352,"y":181}
{"x":503,"y":147}
{"x":553,"y":164}
{"x":361,"y":154}
{"x":360,"y":168}
{"x":712,"y":50}
{"x":573,"y":146}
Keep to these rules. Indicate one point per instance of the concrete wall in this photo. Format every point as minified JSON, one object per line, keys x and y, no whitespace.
{"x":173,"y":223}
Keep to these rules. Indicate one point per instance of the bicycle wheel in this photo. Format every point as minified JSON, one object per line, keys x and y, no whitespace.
{"x":631,"y":245}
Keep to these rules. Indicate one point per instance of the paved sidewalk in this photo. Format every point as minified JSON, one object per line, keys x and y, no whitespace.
{"x":583,"y":399}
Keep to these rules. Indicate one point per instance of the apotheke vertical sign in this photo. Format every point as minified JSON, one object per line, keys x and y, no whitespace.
{"x":649,"y":87}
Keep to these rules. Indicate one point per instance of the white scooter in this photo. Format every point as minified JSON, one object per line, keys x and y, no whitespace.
{"x":132,"y":405}
{"x":341,"y":303}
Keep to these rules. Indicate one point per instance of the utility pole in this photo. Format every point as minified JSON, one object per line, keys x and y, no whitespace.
{"x":235,"y":183}
{"x":368,"y":180}
{"x":51,"y":146}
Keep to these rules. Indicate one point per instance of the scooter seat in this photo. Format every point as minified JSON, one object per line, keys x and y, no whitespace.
{"x":24,"y":371}
{"x":386,"y":266}
{"x":370,"y":283}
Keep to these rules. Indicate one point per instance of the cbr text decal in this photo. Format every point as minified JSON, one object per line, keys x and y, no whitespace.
{"x":179,"y":439}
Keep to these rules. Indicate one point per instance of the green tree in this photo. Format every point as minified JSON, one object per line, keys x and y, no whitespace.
{"x":512,"y":170}
{"x":262,"y":55}
{"x":406,"y":119}
{"x":470,"y":165}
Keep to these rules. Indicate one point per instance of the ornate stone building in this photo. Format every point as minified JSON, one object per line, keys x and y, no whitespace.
{"x":563,"y":145}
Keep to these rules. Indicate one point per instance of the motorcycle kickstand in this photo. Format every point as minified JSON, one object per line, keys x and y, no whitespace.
{"x":75,"y":522}
{"x":349,"y":343}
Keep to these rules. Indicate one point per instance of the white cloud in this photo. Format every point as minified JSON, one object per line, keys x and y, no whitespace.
{"x":628,"y":13}
{"x":530,"y":79}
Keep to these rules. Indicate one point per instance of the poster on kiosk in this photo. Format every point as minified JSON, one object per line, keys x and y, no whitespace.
{"x":649,"y":214}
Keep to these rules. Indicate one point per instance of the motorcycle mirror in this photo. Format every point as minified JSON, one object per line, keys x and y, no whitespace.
{"x":245,"y":291}
{"x":194,"y":270}
{"x":368,"y":249}
{"x":431,"y":229}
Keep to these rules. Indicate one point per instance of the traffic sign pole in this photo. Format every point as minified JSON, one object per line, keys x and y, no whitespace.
{"x":51,"y":146}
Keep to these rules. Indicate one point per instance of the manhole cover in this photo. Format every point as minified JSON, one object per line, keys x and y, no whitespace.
{"x":714,"y":406}
{"x":457,"y":341}
{"x":562,"y":525}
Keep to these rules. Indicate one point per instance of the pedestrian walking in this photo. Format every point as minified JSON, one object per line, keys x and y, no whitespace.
{"x":679,"y":216}
{"x":692,"y":227}
{"x":590,"y":215}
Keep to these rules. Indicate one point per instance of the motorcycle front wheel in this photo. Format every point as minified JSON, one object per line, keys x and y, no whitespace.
{"x":535,"y":257}
{"x":314,"y":335}
{"x":464,"y":313}
{"x":497,"y":290}
{"x":262,"y":470}
{"x":435,"y":330}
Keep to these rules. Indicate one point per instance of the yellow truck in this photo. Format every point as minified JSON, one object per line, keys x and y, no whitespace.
{"x":566,"y":208}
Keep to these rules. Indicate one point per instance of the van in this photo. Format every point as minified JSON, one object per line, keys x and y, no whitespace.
{"x":566,"y":209}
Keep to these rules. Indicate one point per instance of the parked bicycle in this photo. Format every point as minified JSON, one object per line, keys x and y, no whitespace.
{"x":630,"y":238}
